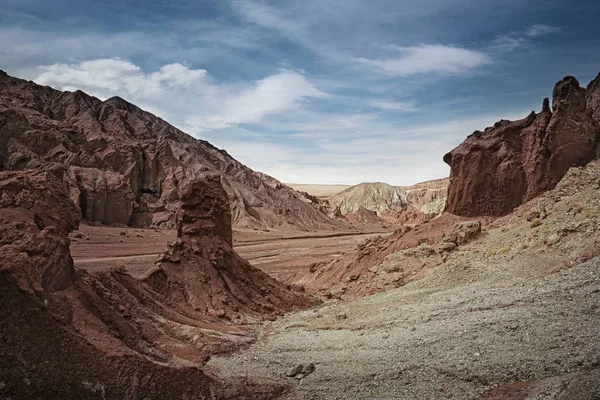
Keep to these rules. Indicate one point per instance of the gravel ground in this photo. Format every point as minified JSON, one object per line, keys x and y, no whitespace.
{"x":413,"y":343}
{"x":513,"y":315}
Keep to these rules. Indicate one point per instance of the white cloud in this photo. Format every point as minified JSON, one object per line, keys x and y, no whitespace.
{"x":271,"y":95}
{"x":188,"y":95}
{"x":401,"y":106}
{"x":541,"y":30}
{"x":106,"y":77}
{"x":429,"y":59}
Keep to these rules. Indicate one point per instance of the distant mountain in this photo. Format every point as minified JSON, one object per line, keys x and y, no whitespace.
{"x":124,"y":165}
{"x":395,"y":204}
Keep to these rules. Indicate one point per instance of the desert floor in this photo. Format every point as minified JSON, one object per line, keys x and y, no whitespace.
{"x":478,"y":327}
{"x":318,"y":190}
{"x":279,"y":253}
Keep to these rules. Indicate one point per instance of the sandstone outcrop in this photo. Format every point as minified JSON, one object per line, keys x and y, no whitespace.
{"x":69,"y":334}
{"x":506,"y":165}
{"x":125,"y":165}
{"x":464,"y":232}
{"x":34,"y":224}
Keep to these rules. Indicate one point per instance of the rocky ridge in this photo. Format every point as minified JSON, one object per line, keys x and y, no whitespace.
{"x":506,"y":165}
{"x":360,"y":273}
{"x":125,"y":165}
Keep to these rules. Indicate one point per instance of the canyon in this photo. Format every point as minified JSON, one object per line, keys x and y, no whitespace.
{"x":139,"y":262}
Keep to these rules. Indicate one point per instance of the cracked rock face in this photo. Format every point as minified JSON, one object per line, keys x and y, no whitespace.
{"x":34,"y":223}
{"x":506,"y":165}
{"x":204,"y":211}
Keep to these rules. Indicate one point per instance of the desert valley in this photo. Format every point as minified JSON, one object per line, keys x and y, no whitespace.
{"x":139,"y":262}
{"x":299,"y":200}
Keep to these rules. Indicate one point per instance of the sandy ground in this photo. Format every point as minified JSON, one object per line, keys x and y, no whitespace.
{"x":279,"y":253}
{"x":318,"y":190}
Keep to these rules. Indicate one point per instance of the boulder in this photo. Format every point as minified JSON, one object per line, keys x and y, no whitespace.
{"x":464,"y":232}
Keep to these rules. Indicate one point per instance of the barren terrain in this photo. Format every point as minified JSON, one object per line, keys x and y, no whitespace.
{"x":279,"y":253}
{"x":432,"y":341}
{"x":495,"y":296}
{"x":320,"y":191}
{"x":513,"y":314}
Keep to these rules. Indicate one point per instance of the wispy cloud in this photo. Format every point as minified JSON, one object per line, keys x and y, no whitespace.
{"x":271,"y":95}
{"x":541,"y":30}
{"x":425,"y":59}
{"x":268,"y":17}
{"x":401,"y":106}
{"x":508,"y":43}
{"x":521,"y":39}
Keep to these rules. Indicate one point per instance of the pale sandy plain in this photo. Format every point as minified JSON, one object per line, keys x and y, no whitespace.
{"x":320,"y":191}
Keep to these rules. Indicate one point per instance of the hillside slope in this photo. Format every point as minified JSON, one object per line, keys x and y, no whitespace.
{"x":125,"y":165}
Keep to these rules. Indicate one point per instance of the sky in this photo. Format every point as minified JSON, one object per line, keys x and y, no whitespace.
{"x":312,"y":91}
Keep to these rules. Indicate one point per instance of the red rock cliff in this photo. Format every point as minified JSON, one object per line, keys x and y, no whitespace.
{"x":506,"y":165}
{"x":126,"y":165}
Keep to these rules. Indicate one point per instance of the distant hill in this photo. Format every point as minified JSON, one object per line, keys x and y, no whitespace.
{"x":396,"y":204}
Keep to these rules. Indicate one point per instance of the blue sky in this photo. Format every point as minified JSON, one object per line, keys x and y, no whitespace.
{"x":313,"y":91}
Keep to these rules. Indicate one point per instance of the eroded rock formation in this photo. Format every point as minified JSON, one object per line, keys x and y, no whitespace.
{"x":359,"y":273}
{"x":126,"y":166}
{"x":496,"y":170}
{"x":69,"y":334}
{"x":201,"y":269}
